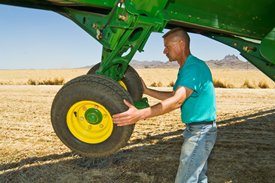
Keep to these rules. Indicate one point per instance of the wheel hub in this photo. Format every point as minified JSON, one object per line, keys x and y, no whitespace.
{"x":89,"y":122}
{"x":93,"y":116}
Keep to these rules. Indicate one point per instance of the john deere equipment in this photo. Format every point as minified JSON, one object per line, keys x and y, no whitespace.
{"x":82,"y":109}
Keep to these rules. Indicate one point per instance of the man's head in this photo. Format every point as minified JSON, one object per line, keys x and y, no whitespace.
{"x":176,"y":43}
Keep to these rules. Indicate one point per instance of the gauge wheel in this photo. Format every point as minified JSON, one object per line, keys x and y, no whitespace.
{"x":81,"y":115}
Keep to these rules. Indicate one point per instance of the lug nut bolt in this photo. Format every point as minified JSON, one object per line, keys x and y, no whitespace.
{"x":122,"y":17}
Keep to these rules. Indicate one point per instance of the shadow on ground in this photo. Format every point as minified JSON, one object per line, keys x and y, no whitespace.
{"x":244,"y":152}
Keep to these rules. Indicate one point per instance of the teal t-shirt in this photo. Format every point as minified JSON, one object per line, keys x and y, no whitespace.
{"x":201,"y":105}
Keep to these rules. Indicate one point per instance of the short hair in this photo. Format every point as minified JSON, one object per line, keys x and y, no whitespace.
{"x":180,"y":33}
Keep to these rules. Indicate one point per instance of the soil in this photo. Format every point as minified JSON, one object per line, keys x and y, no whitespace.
{"x":31,"y":152}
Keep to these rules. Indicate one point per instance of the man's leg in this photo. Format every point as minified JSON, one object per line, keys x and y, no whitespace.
{"x":198,"y":143}
{"x":210,"y":142}
{"x":203,"y":177}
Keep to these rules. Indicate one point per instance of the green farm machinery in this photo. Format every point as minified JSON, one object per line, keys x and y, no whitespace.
{"x":82,"y":110}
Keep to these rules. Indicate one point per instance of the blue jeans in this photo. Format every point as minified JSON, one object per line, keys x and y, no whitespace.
{"x":198,"y":142}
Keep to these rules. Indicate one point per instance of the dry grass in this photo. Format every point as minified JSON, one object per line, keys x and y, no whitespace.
{"x":263,"y":84}
{"x":21,"y":77}
{"x":224,"y":78}
{"x":158,"y":84}
{"x":220,"y":84}
{"x":171,"y":84}
{"x":248,"y":84}
{"x":243,"y":78}
{"x":54,"y":81}
{"x":228,"y":78}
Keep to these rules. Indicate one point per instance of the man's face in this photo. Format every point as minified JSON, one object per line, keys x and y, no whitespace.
{"x":173,"y":48}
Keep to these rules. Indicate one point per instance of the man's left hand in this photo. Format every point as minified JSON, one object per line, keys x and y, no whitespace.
{"x":129,"y":117}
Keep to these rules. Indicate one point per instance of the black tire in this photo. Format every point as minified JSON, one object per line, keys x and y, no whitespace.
{"x":131,"y":79}
{"x":98,"y":89}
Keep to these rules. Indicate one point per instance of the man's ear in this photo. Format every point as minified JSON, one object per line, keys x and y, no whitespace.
{"x":183,"y":46}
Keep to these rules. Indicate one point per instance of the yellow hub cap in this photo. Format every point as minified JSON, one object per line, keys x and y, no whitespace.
{"x":90,"y":122}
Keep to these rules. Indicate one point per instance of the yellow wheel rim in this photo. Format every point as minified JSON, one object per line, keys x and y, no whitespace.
{"x":90,"y":122}
{"x":123,"y":84}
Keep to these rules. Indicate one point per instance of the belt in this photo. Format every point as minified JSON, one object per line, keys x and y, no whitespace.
{"x":201,"y":123}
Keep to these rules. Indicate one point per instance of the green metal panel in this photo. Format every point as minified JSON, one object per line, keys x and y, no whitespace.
{"x":267,"y":48}
{"x":249,"y":50}
{"x":236,"y":17}
{"x":123,"y":26}
{"x":50,"y":4}
{"x":147,"y":8}
{"x":246,"y":18}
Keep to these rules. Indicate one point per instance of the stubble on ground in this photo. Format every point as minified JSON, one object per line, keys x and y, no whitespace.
{"x":31,"y":152}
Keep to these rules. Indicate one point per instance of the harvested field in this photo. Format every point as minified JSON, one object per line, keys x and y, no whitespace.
{"x":31,"y":152}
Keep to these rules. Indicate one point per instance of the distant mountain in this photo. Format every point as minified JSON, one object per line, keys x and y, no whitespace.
{"x":228,"y":62}
{"x":152,"y":64}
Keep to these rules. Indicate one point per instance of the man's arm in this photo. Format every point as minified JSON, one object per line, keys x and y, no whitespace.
{"x":133,"y":115}
{"x":161,"y":95}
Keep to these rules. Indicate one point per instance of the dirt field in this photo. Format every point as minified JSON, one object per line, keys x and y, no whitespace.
{"x":31,"y":152}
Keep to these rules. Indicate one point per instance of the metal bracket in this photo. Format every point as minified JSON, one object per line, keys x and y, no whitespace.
{"x":122,"y":32}
{"x":141,"y":104}
{"x":249,"y":50}
{"x":267,"y":47}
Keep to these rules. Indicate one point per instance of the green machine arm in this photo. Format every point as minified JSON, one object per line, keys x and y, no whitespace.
{"x":123,"y":26}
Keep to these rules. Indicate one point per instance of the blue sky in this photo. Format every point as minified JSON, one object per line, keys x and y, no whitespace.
{"x":34,"y":39}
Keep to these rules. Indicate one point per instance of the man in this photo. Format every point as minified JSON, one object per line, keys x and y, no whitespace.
{"x":194,"y":93}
